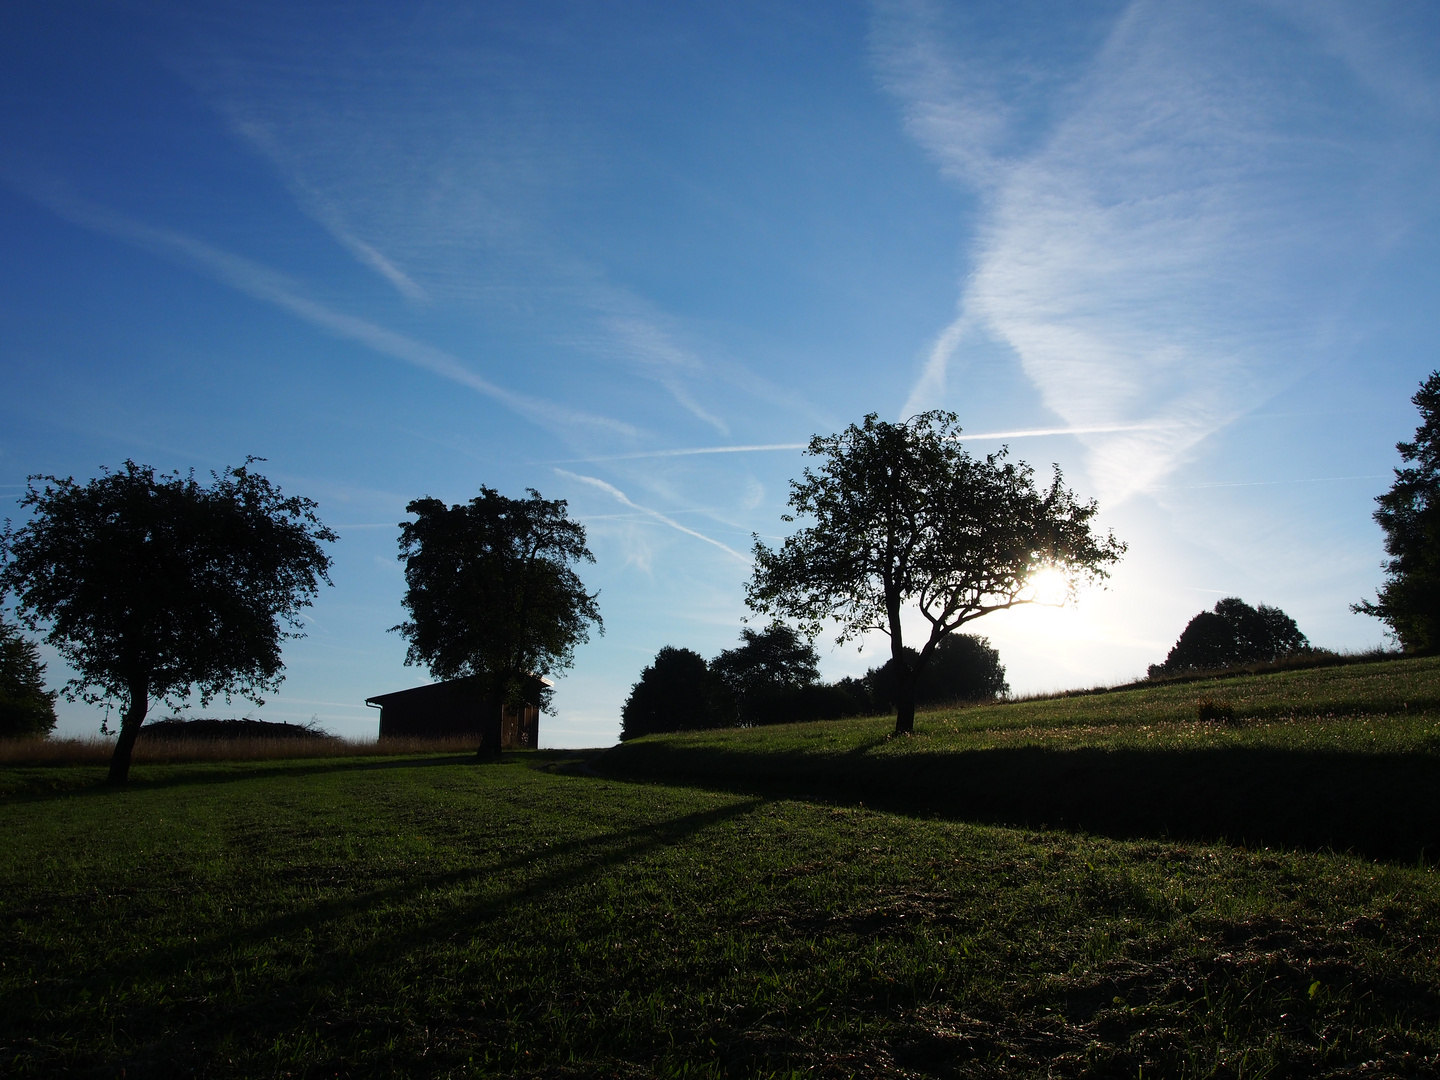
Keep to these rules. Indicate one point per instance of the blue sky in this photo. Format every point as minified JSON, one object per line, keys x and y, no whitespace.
{"x":633,"y":255}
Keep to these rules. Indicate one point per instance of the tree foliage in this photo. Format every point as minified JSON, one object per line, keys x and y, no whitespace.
{"x":903,"y":516}
{"x":491,"y":591}
{"x":964,"y":668}
{"x":677,"y":692}
{"x":773,"y":677}
{"x":1409,"y":601}
{"x":768,"y":666}
{"x":156,"y":586}
{"x":27,"y":709}
{"x":1233,"y":633}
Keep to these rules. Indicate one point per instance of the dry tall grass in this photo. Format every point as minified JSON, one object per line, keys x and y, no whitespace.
{"x":97,"y":751}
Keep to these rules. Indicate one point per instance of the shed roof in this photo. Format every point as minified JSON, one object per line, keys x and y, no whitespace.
{"x":417,"y":695}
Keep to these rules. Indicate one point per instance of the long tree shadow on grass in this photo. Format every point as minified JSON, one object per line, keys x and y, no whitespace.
{"x":185,"y":1035}
{"x":1381,"y":806}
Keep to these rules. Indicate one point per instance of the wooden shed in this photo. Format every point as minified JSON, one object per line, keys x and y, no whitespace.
{"x":455,"y":707}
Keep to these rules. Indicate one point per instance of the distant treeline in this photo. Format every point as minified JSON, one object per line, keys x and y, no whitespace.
{"x":27,"y":709}
{"x":773,"y":677}
{"x":213,"y":728}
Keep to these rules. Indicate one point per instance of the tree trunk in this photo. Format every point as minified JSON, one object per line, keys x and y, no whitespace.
{"x":904,"y":677}
{"x":491,"y":727}
{"x":129,"y":732}
{"x":904,"y":700}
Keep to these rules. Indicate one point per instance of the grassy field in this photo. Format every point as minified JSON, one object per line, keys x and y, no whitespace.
{"x":19,"y":753}
{"x":430,"y":916}
{"x":1344,"y":758}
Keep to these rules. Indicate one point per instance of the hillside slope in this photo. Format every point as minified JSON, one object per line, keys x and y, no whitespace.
{"x":1343,"y":757}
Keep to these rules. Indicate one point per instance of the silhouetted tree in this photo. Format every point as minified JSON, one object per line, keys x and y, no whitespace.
{"x":1208,"y":641}
{"x":758,"y":673}
{"x":491,"y":592}
{"x":1409,"y":601}
{"x":1234,"y":633}
{"x":903,"y":515}
{"x":27,"y":709}
{"x":1263,"y":633}
{"x":812,"y":701}
{"x":677,"y":692}
{"x":964,"y":668}
{"x":154,"y":586}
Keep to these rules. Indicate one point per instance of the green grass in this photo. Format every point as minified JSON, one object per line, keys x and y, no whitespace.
{"x":424,"y":917}
{"x":430,"y":916}
{"x":1392,"y":705}
{"x":1344,"y":758}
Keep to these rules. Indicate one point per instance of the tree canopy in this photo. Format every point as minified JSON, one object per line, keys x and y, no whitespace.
{"x":156,"y":586}
{"x":491,"y":591}
{"x":27,"y":709}
{"x":1409,"y":601}
{"x":902,"y":516}
{"x":964,"y":668}
{"x":768,"y":664}
{"x":1233,"y":633}
{"x":677,"y":692}
{"x":773,"y":677}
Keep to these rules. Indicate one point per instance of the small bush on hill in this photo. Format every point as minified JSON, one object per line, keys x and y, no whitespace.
{"x":1210,"y":710}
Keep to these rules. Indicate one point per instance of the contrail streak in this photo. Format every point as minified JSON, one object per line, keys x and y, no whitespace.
{"x":765,"y":447}
{"x":265,"y":284}
{"x":614,"y":492}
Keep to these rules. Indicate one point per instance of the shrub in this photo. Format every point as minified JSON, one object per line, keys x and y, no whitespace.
{"x":1212,"y":711}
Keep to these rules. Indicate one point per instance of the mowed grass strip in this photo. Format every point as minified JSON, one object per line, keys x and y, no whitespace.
{"x":441,"y":918}
{"x":1344,"y":758}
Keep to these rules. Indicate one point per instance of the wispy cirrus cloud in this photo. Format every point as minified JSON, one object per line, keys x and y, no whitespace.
{"x":656,"y":515}
{"x":275,"y":288}
{"x":691,"y":451}
{"x":618,"y":326}
{"x":645,"y":341}
{"x":323,"y":209}
{"x":761,"y":448}
{"x":1162,"y":245}
{"x":429,"y":155}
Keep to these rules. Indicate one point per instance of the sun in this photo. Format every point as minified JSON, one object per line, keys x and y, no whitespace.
{"x":1049,"y":586}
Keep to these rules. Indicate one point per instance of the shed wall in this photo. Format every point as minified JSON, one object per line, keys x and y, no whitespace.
{"x":454,"y":708}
